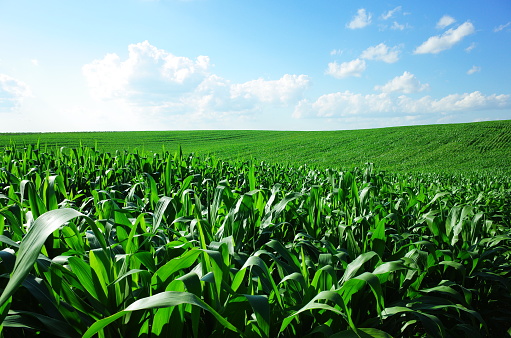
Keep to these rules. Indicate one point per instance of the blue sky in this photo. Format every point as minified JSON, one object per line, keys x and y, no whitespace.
{"x":281,"y":65}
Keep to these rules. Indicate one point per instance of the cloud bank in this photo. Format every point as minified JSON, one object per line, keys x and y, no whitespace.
{"x":156,"y":81}
{"x":345,"y":104}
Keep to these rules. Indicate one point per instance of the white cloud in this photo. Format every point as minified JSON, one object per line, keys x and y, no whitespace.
{"x":445,"y":21}
{"x":34,"y":62}
{"x":345,"y":104}
{"x":346,"y":69}
{"x":360,"y":20}
{"x":471,"y":47}
{"x":387,"y":15}
{"x":155,"y":82}
{"x":336,"y":52}
{"x":148,"y":70}
{"x":397,"y":26}
{"x":12,"y":93}
{"x":107,"y":78}
{"x":471,"y":101}
{"x":287,"y":89}
{"x":406,"y":83}
{"x":217,"y":99}
{"x":473,"y":70}
{"x":342,"y":104}
{"x":439,"y":43}
{"x":501,"y":27}
{"x":381,"y":52}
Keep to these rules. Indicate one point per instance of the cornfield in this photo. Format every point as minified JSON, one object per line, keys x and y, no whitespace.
{"x":129,"y":244}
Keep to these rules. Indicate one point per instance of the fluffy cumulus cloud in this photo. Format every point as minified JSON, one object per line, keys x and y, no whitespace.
{"x":12,"y":93}
{"x":439,"y":43}
{"x":445,"y":21}
{"x":381,"y":52}
{"x":147,"y":71}
{"x":160,"y":83}
{"x":346,"y":104}
{"x":351,"y":68}
{"x":406,"y":83}
{"x":360,"y":20}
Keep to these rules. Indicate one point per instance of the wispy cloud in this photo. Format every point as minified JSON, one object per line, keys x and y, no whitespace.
{"x":439,"y":43}
{"x":336,"y":52}
{"x":473,"y":70}
{"x":445,"y":21}
{"x":502,"y":27}
{"x":471,"y":47}
{"x":406,"y":83}
{"x":361,"y":20}
{"x":387,"y":15}
{"x":352,"y":68}
{"x":397,"y":26}
{"x":381,"y":52}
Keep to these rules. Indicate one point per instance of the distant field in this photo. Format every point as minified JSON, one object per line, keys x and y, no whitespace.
{"x":482,"y":146}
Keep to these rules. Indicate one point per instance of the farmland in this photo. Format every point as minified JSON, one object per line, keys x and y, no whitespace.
{"x":290,"y":234}
{"x":450,"y":148}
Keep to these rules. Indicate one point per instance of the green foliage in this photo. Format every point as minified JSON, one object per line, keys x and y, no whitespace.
{"x":133,"y":244}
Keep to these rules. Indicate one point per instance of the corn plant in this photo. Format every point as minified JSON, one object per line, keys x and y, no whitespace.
{"x":134,"y":244}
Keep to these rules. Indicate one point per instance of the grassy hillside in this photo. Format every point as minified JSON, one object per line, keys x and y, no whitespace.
{"x":482,"y":146}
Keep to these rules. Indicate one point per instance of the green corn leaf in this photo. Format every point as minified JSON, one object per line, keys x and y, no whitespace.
{"x":32,"y":320}
{"x":354,"y":266}
{"x":147,"y":259}
{"x":160,"y":300}
{"x":362,"y":333}
{"x":46,"y":299}
{"x":36,"y":203}
{"x":177,"y":264}
{"x":261,"y":309}
{"x":430,"y":322}
{"x":31,"y":246}
{"x":161,"y":206}
{"x":88,"y":278}
{"x":331,"y":296}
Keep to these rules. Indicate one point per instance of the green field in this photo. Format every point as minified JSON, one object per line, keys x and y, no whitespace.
{"x":101,"y":241}
{"x":449,"y":148}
